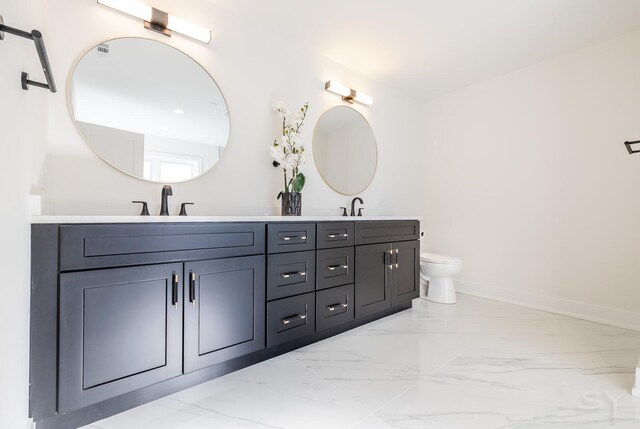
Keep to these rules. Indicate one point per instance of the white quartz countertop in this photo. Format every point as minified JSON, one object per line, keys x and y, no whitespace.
{"x":184,"y":219}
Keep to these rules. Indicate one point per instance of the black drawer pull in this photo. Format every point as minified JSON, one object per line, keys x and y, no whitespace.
{"x":287,"y":275}
{"x":287,"y":238}
{"x":335,"y":267}
{"x":337,"y":235}
{"x":174,"y":291}
{"x":293,"y":318}
{"x":192,"y":289}
{"x":332,"y":307}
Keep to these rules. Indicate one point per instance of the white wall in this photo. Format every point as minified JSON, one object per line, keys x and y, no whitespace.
{"x":22,"y":124}
{"x":526,"y":178}
{"x":253,"y":69}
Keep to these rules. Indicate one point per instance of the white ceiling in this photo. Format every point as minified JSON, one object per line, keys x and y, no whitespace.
{"x":429,"y":47}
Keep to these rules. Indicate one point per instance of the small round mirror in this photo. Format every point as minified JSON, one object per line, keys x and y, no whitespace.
{"x":345,"y":150}
{"x":149,"y":110}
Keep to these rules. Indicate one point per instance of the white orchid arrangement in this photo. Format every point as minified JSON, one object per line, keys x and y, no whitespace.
{"x":288,"y":152}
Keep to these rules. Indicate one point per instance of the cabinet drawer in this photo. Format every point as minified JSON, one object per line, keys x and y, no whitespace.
{"x":290,"y":318}
{"x":291,"y":237}
{"x":371,"y":232}
{"x":334,"y":306}
{"x":335,"y":234}
{"x":290,"y":274}
{"x":96,"y":246}
{"x":335,"y":267}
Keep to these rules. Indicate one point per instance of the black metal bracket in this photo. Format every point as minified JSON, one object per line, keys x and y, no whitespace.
{"x":36,"y":36}
{"x":630,"y":149}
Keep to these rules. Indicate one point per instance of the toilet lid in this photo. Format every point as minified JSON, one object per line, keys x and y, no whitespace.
{"x":439,"y":259}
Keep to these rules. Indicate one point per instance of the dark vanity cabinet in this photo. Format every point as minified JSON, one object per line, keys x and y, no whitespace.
{"x":405,"y":275}
{"x":120,"y":330}
{"x":387,"y":265}
{"x":291,"y":282}
{"x":373,"y":278}
{"x":223,"y":310}
{"x":126,"y":313}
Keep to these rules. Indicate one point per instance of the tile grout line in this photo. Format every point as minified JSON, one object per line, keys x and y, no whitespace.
{"x":291,"y":354}
{"x":417,"y":382}
{"x":334,"y":387}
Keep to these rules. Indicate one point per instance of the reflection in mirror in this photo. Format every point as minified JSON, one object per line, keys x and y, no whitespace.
{"x":345,"y":150}
{"x":149,"y":110}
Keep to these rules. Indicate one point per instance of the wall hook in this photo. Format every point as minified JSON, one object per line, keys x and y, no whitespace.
{"x":36,"y":36}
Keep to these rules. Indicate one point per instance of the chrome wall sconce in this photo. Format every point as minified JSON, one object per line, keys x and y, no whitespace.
{"x":349,"y":95}
{"x":158,"y":20}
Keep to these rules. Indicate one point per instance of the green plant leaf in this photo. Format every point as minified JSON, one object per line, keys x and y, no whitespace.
{"x":298,"y":182}
{"x":279,"y":195}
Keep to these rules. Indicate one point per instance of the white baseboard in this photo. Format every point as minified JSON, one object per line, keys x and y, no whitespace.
{"x":580,"y":310}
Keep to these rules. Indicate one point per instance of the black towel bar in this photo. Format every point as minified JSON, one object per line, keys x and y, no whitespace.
{"x":630,"y":149}
{"x":36,"y":36}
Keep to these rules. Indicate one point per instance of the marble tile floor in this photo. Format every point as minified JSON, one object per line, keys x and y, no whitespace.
{"x":479,"y":364}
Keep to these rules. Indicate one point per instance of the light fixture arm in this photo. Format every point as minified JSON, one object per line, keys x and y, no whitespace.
{"x":159,"y":22}
{"x":351,"y":97}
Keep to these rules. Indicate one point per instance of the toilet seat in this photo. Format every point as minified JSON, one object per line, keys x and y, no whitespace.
{"x":439,"y":259}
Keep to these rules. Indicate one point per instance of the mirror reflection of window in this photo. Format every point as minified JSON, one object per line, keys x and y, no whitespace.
{"x":149,"y":110}
{"x":167,"y":167}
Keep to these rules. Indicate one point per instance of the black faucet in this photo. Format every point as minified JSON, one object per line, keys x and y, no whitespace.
{"x":353,"y":206}
{"x":164,"y":206}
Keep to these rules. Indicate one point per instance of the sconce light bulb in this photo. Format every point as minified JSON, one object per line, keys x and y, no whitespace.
{"x":186,"y":28}
{"x":337,"y":88}
{"x":363,"y":98}
{"x":146,"y":13}
{"x":130,"y":7}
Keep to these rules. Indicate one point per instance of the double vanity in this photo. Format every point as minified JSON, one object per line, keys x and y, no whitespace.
{"x":125,"y":310}
{"x":128,"y":310}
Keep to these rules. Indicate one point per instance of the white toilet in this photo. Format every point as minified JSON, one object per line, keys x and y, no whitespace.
{"x":438,"y":271}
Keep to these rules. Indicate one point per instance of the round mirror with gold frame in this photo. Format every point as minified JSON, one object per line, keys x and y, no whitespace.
{"x":149,"y":110}
{"x":345,"y":150}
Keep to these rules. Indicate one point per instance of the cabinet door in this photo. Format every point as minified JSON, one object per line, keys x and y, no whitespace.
{"x":120,"y":330}
{"x":373,"y":279}
{"x":405,"y":285}
{"x":224,"y":310}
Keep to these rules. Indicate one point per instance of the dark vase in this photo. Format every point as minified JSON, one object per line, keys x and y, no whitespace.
{"x":291,"y":203}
